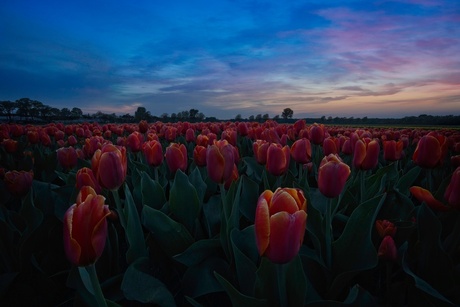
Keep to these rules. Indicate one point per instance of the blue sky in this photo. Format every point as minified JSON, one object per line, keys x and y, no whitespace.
{"x":332,"y":58}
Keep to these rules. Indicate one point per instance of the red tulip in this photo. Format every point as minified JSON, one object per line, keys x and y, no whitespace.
{"x":428,"y":152}
{"x":85,"y":229}
{"x":385,"y":228}
{"x":423,"y":195}
{"x":387,"y":249}
{"x":190,"y":135}
{"x":332,"y":175}
{"x":366,"y":154}
{"x":153,"y":152}
{"x":199,"y":155}
{"x":67,"y":157}
{"x":260,"y":148}
{"x":110,"y":165}
{"x":280,"y":223}
{"x":18,"y":183}
{"x":301,"y":151}
{"x":316,"y":133}
{"x":11,"y":146}
{"x":176,"y":157}
{"x":452,"y":194}
{"x":278,"y":159}
{"x":220,"y":159}
{"x":134,"y":141}
{"x":331,"y":145}
{"x":392,"y":150}
{"x":143,"y":126}
{"x":85,"y":177}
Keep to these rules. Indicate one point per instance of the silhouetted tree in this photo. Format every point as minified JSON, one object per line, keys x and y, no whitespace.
{"x":287,"y":113}
{"x":141,"y":114}
{"x":192,"y":113}
{"x":76,"y":112}
{"x":265,"y":117}
{"x":7,"y":108}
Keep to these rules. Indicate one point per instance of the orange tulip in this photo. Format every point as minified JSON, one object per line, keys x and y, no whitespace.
{"x":85,"y":177}
{"x":452,"y":194}
{"x":220,"y":159}
{"x":153,"y":152}
{"x":260,"y":148}
{"x":385,"y":228}
{"x":134,"y":141}
{"x":199,"y":155}
{"x":280,"y":223}
{"x":18,"y":183}
{"x":423,"y":195}
{"x":366,"y":154}
{"x":301,"y":151}
{"x":332,"y":175}
{"x":85,"y":229}
{"x":428,"y":152}
{"x":176,"y":157}
{"x":392,"y":150}
{"x":110,"y":165}
{"x":278,"y":159}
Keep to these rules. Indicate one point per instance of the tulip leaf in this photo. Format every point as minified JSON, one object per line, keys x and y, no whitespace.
{"x":197,"y":181}
{"x":245,"y":255}
{"x":133,"y":230}
{"x":407,"y":180}
{"x":172,"y":236}
{"x":237,"y":298}
{"x":138,"y":284}
{"x":213,"y":213}
{"x":357,"y":296}
{"x":183,"y":200}
{"x":199,"y":251}
{"x":354,"y":251}
{"x":253,"y":169}
{"x":249,"y":196}
{"x":31,"y":215}
{"x":153,"y":194}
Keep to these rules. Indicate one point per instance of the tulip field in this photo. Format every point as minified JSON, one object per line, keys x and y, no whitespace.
{"x":228,"y":214}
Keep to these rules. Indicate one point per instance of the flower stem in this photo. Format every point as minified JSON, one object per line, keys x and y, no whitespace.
{"x":121,"y":213}
{"x":362,"y":187}
{"x":281,"y":279}
{"x":91,"y":269}
{"x":328,"y":233}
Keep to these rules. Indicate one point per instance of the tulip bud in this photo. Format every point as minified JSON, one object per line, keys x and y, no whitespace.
{"x":278,"y":159}
{"x":85,"y":229}
{"x":85,"y":177}
{"x":387,"y":249}
{"x":153,"y":152}
{"x":331,"y":145}
{"x":199,"y":155}
{"x":428,"y":152}
{"x":316,"y":133}
{"x":260,"y":148}
{"x":385,"y":228}
{"x":176,"y":157}
{"x":423,"y":195}
{"x":392,"y":150}
{"x":366,"y":154}
{"x":332,"y":176}
{"x":67,"y":157}
{"x":18,"y":183}
{"x":452,"y":194}
{"x":190,"y":135}
{"x":280,"y":223}
{"x":110,"y":165}
{"x":134,"y":141}
{"x":301,"y":151}
{"x":220,"y":159}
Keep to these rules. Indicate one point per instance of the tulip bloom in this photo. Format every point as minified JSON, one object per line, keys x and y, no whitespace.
{"x":301,"y":151}
{"x":278,"y":159}
{"x":423,"y":195}
{"x":331,"y":145}
{"x":85,"y":177}
{"x":260,"y":148}
{"x":280,"y":223}
{"x":366,"y":154}
{"x":110,"y":165}
{"x":85,"y":229}
{"x":153,"y":152}
{"x":387,"y":249}
{"x":316,"y":133}
{"x":332,"y":175}
{"x":385,"y":228}
{"x":67,"y":157}
{"x":134,"y":141}
{"x":176,"y":157}
{"x":428,"y":152}
{"x":18,"y":183}
{"x":190,"y":135}
{"x":220,"y":159}
{"x":452,"y":194}
{"x":11,"y":146}
{"x":199,"y":155}
{"x":392,"y":150}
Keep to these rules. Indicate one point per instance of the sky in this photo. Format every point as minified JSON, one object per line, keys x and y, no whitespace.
{"x":342,"y":58}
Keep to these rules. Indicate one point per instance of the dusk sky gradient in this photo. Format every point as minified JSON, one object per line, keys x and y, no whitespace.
{"x":331,"y":58}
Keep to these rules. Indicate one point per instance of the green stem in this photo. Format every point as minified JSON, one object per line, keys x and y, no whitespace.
{"x":281,"y":279}
{"x":389,"y":269}
{"x":224,"y":200}
{"x":155,"y":172}
{"x":429,"y":180}
{"x":300,"y":171}
{"x":91,"y":269}
{"x":328,"y":233}
{"x":362,"y":187}
{"x":120,"y":211}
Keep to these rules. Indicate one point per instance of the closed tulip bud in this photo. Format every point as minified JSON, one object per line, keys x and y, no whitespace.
{"x":366,"y":154}
{"x":385,"y":228}
{"x":243,"y":129}
{"x":332,"y":176}
{"x":455,"y":161}
{"x":143,"y":126}
{"x":392,"y":150}
{"x":331,"y":145}
{"x":190,"y":135}
{"x":202,"y":140}
{"x":11,"y":146}
{"x":387,"y":249}
{"x":316,"y":133}
{"x":452,"y":194}
{"x":110,"y":165}
{"x":153,"y":152}
{"x":176,"y":157}
{"x":67,"y":157}
{"x":260,"y":148}
{"x":134,"y":141}
{"x":71,"y":140}
{"x":220,"y":159}
{"x":278,"y":159}
{"x":280,"y":223}
{"x":229,"y":135}
{"x":85,"y":177}
{"x":199,"y":155}
{"x":423,"y":195}
{"x":428,"y":152}
{"x":33,"y":136}
{"x":301,"y":151}
{"x":85,"y":230}
{"x":18,"y":183}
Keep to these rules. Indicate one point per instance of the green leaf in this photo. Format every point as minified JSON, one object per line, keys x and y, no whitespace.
{"x":296,"y":283}
{"x":197,"y":181}
{"x":249,"y":196}
{"x":245,"y":255}
{"x":407,"y":180}
{"x":153,"y":194}
{"x":138,"y":284}
{"x":199,"y":251}
{"x":134,"y":232}
{"x":31,"y":215}
{"x":172,"y":236}
{"x":183,"y":200}
{"x":237,"y":298}
{"x":199,"y":279}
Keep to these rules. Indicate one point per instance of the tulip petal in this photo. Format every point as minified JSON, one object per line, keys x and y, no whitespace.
{"x":283,"y":201}
{"x":262,"y":225}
